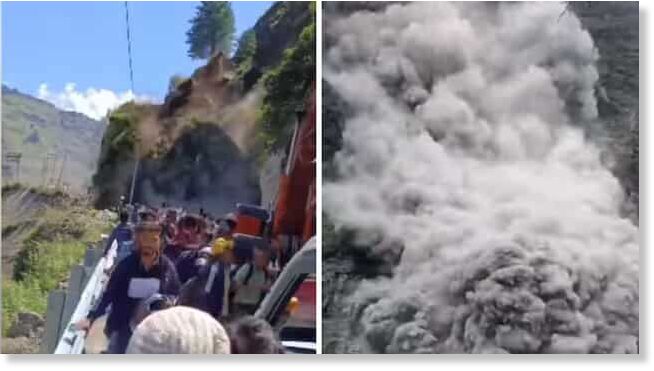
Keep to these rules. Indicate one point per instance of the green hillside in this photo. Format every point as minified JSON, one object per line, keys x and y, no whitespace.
{"x":35,"y":128}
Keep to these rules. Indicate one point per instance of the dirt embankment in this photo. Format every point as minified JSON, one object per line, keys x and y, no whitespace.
{"x":21,"y":208}
{"x":44,"y":233}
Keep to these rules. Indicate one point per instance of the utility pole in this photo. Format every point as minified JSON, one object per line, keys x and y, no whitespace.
{"x":49,"y":169}
{"x":134,"y":174}
{"x":61,"y":171}
{"x":14,"y":157}
{"x":44,"y":170}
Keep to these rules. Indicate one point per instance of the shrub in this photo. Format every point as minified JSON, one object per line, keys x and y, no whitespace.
{"x":20,"y":297}
{"x":58,"y":242}
{"x":287,"y":87}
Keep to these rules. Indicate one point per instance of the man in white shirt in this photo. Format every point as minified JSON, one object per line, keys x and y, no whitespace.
{"x":252,"y":281}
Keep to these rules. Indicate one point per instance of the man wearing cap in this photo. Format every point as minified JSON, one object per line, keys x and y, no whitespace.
{"x":190,"y":231}
{"x":140,"y":275}
{"x":147,"y":215}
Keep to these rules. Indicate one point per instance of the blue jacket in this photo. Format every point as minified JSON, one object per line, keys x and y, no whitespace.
{"x":216,"y":295}
{"x":186,"y":266}
{"x":194,"y":292}
{"x":116,"y":293}
{"x":122,"y":233}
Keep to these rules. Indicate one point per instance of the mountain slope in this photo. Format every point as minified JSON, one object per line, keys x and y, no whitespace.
{"x":202,"y":148}
{"x":35,"y":128}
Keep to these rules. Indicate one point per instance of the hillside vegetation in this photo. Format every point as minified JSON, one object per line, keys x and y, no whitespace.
{"x":287,"y":86}
{"x":36,"y":128}
{"x":44,"y":233}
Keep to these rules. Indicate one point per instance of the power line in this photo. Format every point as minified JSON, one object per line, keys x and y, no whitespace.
{"x":129,"y":48}
{"x":131,"y":80}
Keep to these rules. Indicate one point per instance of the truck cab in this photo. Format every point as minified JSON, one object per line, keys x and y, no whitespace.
{"x":290,"y":306}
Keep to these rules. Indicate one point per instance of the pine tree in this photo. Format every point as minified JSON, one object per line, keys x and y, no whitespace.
{"x":212,"y":30}
{"x":247,"y":46}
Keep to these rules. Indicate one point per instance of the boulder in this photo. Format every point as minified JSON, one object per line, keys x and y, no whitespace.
{"x":27,"y":324}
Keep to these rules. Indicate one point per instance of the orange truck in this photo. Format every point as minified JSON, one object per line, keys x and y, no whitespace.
{"x":291,"y":226}
{"x":295,"y":210}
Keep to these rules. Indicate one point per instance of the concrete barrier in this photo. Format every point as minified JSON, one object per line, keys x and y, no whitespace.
{"x":75,"y":286}
{"x":86,"y":284}
{"x":53,"y":320}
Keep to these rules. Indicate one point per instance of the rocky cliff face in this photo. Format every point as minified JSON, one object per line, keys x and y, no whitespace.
{"x":275,"y":31}
{"x":193,"y":149}
{"x":614,"y":28}
{"x":203,"y":169}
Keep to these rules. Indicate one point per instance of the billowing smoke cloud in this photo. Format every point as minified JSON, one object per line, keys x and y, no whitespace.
{"x":239,"y":120}
{"x":465,"y":151}
{"x":95,"y":103}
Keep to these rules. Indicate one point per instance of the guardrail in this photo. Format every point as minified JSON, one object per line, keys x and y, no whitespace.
{"x":65,"y":307}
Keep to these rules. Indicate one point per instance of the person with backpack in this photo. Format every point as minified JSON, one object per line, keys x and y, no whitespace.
{"x":209,"y":288}
{"x":252,"y":282}
{"x":123,"y":234}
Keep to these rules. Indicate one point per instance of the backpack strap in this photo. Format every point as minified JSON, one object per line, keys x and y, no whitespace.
{"x":249,"y":274}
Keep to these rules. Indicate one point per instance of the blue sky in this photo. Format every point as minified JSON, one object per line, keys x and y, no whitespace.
{"x":84,"y":43}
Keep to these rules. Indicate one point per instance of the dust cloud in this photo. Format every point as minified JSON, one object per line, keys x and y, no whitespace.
{"x":465,"y":153}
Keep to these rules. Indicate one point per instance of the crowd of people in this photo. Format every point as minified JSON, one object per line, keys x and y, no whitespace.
{"x":177,"y":285}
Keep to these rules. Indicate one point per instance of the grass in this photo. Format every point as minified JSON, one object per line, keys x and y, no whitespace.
{"x":50,"y":263}
{"x":20,"y":297}
{"x":48,"y":192}
{"x":57,"y":244}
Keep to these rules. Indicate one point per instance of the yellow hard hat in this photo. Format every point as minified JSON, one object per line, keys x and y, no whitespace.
{"x":220,"y":245}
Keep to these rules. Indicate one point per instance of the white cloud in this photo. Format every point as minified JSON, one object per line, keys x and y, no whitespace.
{"x":93,"y":102}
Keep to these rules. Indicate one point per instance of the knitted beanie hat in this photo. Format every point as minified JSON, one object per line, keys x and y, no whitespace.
{"x":179,"y":330}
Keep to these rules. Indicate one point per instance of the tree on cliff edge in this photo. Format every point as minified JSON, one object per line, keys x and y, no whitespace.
{"x":212,"y":30}
{"x":247,"y":46}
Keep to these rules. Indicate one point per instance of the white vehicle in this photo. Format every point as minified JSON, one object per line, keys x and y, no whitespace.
{"x":290,"y":306}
